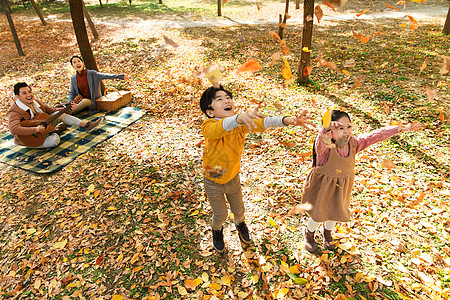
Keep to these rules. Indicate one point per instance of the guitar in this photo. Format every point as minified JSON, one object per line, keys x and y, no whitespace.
{"x":38,"y":138}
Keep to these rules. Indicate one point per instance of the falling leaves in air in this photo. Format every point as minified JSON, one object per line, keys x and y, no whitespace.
{"x":283,"y":47}
{"x":212,"y":73}
{"x":446,"y":66}
{"x":388,"y":164}
{"x":318,"y":12}
{"x":360,"y":37}
{"x":423,"y":66}
{"x":326,"y":119}
{"x":357,"y":83}
{"x":249,"y":66}
{"x":299,"y":209}
{"x":275,"y":36}
{"x":363,"y":12}
{"x":307,"y":70}
{"x":413,"y":24}
{"x":351,"y":63}
{"x":275,"y":56}
{"x":391,"y":7}
{"x":324,"y":63}
{"x":431,"y":93}
{"x":286,"y":70}
{"x":329,"y":4}
{"x":170,"y":42}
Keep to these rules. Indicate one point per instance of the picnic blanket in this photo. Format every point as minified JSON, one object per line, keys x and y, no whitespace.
{"x":74,"y":142}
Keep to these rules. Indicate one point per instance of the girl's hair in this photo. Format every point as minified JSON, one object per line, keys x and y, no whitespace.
{"x":75,"y":56}
{"x":208,"y":96}
{"x":335,"y":115}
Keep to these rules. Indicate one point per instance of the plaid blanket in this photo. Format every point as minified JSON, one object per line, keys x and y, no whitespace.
{"x":74,"y":142}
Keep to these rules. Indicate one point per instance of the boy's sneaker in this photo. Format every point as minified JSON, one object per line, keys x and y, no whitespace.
{"x":91,"y":125}
{"x":218,"y":242}
{"x":244,"y":235}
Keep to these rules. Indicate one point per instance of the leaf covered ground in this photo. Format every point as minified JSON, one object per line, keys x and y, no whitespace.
{"x":129,"y":219}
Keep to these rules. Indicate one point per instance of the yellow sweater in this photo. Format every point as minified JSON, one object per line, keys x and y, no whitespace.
{"x":223,"y":149}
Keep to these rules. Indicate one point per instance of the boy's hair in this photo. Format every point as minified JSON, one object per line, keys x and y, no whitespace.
{"x":208,"y":96}
{"x":18,"y":86}
{"x":75,"y":56}
{"x":335,"y":115}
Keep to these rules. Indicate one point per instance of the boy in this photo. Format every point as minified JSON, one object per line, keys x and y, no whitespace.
{"x":224,"y":142}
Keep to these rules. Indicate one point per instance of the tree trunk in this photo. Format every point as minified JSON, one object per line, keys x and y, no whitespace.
{"x":305,"y":59}
{"x":160,"y":2}
{"x":36,"y":8}
{"x":281,"y":28}
{"x":88,"y":18}
{"x":13,"y":29}
{"x":101,"y":4}
{"x":219,"y":8}
{"x":297,"y":4}
{"x":446,"y":29}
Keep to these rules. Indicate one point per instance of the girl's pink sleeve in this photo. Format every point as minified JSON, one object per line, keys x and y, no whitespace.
{"x":363,"y":141}
{"x":322,"y":150}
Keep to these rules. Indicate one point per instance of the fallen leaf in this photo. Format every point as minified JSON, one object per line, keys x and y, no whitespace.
{"x":413,"y":23}
{"x":99,"y":259}
{"x":446,"y":66}
{"x":59,"y":245}
{"x":357,"y":83}
{"x":346,"y":72}
{"x":388,"y":164}
{"x":424,"y":65}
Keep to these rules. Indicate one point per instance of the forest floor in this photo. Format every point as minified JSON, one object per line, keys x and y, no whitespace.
{"x":129,"y":219}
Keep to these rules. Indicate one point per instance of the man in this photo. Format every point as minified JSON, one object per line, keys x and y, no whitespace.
{"x":26,"y":107}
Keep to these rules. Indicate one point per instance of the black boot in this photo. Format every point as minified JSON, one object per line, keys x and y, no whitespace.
{"x":328,"y":241}
{"x":310,"y":243}
{"x":218,"y":242}
{"x":244,"y":235}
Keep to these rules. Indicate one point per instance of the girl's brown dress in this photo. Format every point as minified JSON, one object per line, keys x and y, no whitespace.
{"x":328,"y":188}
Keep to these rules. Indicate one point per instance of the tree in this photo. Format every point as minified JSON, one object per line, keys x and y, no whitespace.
{"x":88,"y":18}
{"x":282,"y":22}
{"x":219,"y":8}
{"x":7,"y":10}
{"x":305,"y":59}
{"x":446,"y":29}
{"x":36,"y":8}
{"x":76,"y":12}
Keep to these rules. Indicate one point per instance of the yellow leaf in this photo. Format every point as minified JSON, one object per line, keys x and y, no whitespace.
{"x":326,"y":119}
{"x":300,"y":280}
{"x":294,"y":269}
{"x":197,"y":281}
{"x":286,"y":71}
{"x":205,"y":277}
{"x":305,"y":49}
{"x":59,"y":245}
{"x":91,"y":188}
{"x":194,"y":213}
{"x":117,"y":297}
{"x":242,"y":295}
{"x":272,"y":222}
{"x":402,"y":25}
{"x":182,"y":290}
{"x":346,"y":72}
{"x":282,"y":292}
{"x":345,"y":246}
{"x":31,"y":230}
{"x":137,"y":269}
{"x":135,"y":258}
{"x":255,"y":279}
{"x":215,"y":286}
{"x":228,"y":279}
{"x":214,"y":75}
{"x":111,"y":208}
{"x":96,"y":193}
{"x":120,"y":257}
{"x":190,"y":284}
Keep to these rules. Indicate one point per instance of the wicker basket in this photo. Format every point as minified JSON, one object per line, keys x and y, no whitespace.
{"x":113,"y":101}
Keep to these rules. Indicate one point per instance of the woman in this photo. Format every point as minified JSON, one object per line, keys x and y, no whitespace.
{"x":87,"y":83}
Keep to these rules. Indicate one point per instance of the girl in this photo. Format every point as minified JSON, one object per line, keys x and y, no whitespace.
{"x":87,"y":83}
{"x":329,"y":184}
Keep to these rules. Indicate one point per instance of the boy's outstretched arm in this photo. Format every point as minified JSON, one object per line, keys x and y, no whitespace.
{"x":302,"y":120}
{"x":247,"y":118}
{"x":410,"y":127}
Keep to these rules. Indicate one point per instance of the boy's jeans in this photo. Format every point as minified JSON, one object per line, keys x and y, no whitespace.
{"x":216,"y":195}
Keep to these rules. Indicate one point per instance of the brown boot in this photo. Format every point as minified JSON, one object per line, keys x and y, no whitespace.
{"x":310,"y":243}
{"x":328,"y":241}
{"x":91,"y":125}
{"x":60,"y":128}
